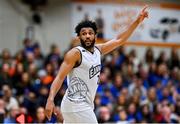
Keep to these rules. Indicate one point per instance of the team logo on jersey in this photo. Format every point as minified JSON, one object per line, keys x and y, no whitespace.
{"x":94,"y":70}
{"x":77,"y":90}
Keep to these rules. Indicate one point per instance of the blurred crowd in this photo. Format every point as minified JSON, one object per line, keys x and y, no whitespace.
{"x":130,"y":89}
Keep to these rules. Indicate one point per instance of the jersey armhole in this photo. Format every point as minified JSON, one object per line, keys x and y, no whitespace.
{"x":98,"y":49}
{"x":78,"y":63}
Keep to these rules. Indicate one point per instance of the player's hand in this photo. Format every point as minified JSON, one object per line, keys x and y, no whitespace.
{"x":49,"y":109}
{"x":58,"y":114}
{"x":143,"y":14}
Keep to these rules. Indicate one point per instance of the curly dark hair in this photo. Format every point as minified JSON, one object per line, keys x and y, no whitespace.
{"x":85,"y":24}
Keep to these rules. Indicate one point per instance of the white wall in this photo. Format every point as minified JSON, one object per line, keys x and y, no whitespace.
{"x":12,"y":27}
{"x":57,"y":26}
{"x":15,"y":17}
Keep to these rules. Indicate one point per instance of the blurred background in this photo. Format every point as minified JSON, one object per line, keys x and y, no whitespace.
{"x":139,"y":82}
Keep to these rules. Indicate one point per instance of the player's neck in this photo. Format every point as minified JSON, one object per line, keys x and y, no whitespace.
{"x":90,"y":49}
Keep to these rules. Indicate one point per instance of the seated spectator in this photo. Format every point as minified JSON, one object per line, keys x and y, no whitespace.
{"x":137,"y":85}
{"x":121,"y":101}
{"x":166,"y":95}
{"x":122,"y":114}
{"x":169,"y":116}
{"x":149,"y":56}
{"x":40,"y":115}
{"x":144,"y":114}
{"x":104,"y":115}
{"x":157,"y":113}
{"x":39,"y":58}
{"x":10,"y":101}
{"x":162,"y":59}
{"x":5,"y":77}
{"x":54,"y":57}
{"x":132,"y":113}
{"x":24,"y":86}
{"x":117,"y":85}
{"x":177,"y":106}
{"x":174,"y":60}
{"x":2,"y":110}
{"x":151,"y":98}
{"x":5,"y":57}
{"x":11,"y":117}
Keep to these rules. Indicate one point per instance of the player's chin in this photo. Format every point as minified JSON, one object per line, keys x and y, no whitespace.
{"x":88,"y":44}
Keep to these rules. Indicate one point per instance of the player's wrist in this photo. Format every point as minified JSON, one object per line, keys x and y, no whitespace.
{"x":51,"y":99}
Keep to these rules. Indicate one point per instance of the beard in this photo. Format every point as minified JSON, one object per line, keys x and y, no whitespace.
{"x":83,"y":43}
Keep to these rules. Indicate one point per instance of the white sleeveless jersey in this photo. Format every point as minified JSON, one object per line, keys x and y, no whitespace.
{"x":82,"y":82}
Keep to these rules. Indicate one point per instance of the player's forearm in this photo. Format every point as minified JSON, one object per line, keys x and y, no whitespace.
{"x":127,"y":33}
{"x":55,"y":88}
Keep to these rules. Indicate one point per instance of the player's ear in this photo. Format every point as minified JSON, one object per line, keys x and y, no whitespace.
{"x":95,"y":36}
{"x":78,"y":37}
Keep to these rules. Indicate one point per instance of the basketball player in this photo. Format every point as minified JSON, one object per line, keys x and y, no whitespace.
{"x":82,"y":66}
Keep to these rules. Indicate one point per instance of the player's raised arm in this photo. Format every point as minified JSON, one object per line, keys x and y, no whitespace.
{"x":121,"y":38}
{"x":70,"y":59}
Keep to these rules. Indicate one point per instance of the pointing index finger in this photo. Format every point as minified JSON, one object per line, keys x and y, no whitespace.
{"x":145,"y":7}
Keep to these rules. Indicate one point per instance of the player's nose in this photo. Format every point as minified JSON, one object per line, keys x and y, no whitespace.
{"x":87,"y":36}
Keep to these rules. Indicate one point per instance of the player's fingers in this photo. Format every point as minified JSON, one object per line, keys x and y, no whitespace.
{"x":55,"y":111}
{"x":48,"y":113}
{"x":146,"y":14}
{"x":58,"y":115}
{"x":144,"y":8}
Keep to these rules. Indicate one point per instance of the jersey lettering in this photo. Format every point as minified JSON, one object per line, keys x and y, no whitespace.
{"x":94,"y":70}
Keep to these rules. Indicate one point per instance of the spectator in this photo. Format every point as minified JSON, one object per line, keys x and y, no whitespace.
{"x":144,"y":114}
{"x":137,"y":86}
{"x":132,"y":113}
{"x":40,"y":115}
{"x":2,"y":110}
{"x":152,"y":98}
{"x":121,"y":101}
{"x":39,"y":58}
{"x":28,"y":46}
{"x":100,"y":24}
{"x":5,"y":77}
{"x":32,"y":70}
{"x":54,"y":57}
{"x":30,"y":59}
{"x":149,"y":56}
{"x":177,"y":106}
{"x":117,"y":85}
{"x":10,"y":101}
{"x":42,"y":96}
{"x":24,"y":86}
{"x":169,"y":116}
{"x":29,"y":102}
{"x":174,"y":59}
{"x":162,"y":59}
{"x":104,"y":115}
{"x":5,"y":57}
{"x":122,"y":116}
{"x":134,"y":60}
{"x":11,"y":117}
{"x":157,"y":113}
{"x":16,"y":78}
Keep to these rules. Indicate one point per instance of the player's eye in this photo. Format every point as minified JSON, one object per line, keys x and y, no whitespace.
{"x":84,"y":33}
{"x":91,"y":33}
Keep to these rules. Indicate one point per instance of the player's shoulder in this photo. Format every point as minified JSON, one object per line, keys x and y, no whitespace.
{"x":74,"y":52}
